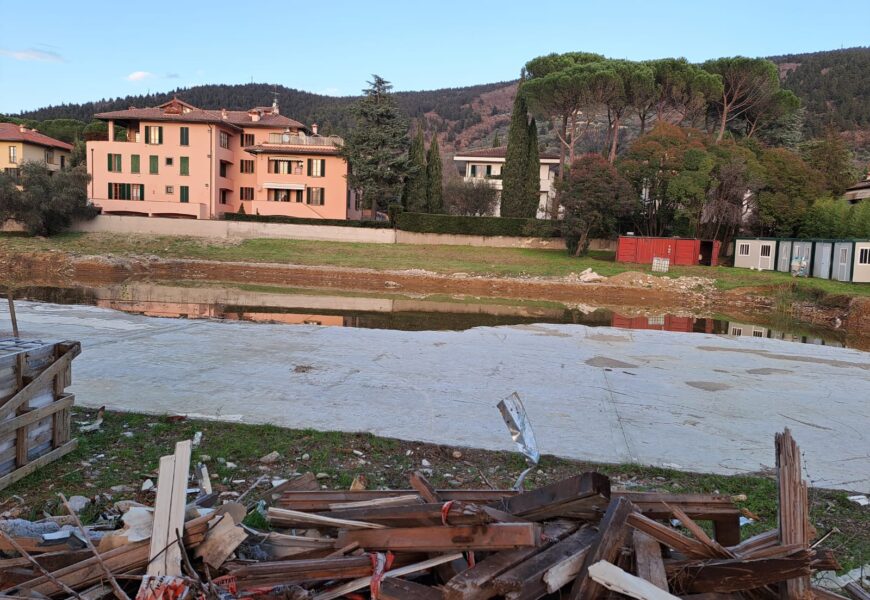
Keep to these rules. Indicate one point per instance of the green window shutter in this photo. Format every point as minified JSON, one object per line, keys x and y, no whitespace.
{"x":147,"y":135}
{"x":160,"y":135}
{"x":309,"y":167}
{"x":134,"y":163}
{"x":184,"y":165}
{"x":153,"y":166}
{"x":141,"y":191}
{"x":118,"y":166}
{"x":185,"y":136}
{"x":184,"y":193}
{"x":111,"y":164}
{"x":110,"y":192}
{"x":323,"y":167}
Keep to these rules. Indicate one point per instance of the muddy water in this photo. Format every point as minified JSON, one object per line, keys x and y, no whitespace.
{"x":328,"y":307}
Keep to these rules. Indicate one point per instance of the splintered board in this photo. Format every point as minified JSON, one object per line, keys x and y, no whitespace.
{"x":34,"y":408}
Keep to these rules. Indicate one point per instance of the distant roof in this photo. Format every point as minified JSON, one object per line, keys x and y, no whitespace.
{"x":11,"y":132}
{"x":859,"y":191}
{"x":182,"y":112}
{"x":500,"y":152}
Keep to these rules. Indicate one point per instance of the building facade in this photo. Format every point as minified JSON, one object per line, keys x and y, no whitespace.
{"x":18,"y":145}
{"x":487,"y":165}
{"x":177,"y":160}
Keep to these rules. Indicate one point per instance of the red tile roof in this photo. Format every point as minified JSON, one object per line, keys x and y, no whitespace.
{"x":182,"y":112}
{"x":500,"y":152}
{"x":10,"y":132}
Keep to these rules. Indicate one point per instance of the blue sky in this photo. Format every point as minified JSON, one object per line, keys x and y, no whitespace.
{"x":54,"y":52}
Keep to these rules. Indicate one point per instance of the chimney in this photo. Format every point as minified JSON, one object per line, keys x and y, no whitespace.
{"x":275,"y":106}
{"x":22,"y":128}
{"x":255,"y":115}
{"x":314,"y":129}
{"x":223,"y":113}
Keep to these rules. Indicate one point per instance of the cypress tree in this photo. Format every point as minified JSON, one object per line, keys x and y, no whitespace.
{"x":531,"y":198}
{"x":514,"y":173}
{"x":434,"y":183}
{"x":414,"y":193}
{"x":496,"y":141}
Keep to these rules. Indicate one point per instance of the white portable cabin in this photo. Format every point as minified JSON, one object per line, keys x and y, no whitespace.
{"x":841,"y":269}
{"x":823,"y":255}
{"x":801,"y":258}
{"x":861,"y":261}
{"x":783,"y":256}
{"x":755,"y":253}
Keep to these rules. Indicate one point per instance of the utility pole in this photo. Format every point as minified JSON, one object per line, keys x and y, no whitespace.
{"x":12,"y":314}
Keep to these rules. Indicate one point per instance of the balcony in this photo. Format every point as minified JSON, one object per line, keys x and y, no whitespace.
{"x":289,"y":139}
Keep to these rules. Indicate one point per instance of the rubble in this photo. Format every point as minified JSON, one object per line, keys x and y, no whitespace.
{"x":576,"y":538}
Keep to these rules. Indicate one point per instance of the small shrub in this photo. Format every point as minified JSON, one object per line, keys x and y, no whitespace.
{"x":305,"y":221}
{"x":486,"y":226}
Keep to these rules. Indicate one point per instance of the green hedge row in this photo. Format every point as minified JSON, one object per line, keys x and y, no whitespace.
{"x":487,"y":226}
{"x":428,"y":223}
{"x":305,"y":221}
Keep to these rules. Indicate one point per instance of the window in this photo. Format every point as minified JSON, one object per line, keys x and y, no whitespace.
{"x":126,"y":191}
{"x":474,"y":170}
{"x":225,"y":194}
{"x":114,"y":163}
{"x":49,"y":157}
{"x":736,"y":331}
{"x":246,"y":193}
{"x":744,"y":250}
{"x":15,"y":174}
{"x":284,"y":195}
{"x":224,"y":139}
{"x":277,"y":138}
{"x":168,"y":161}
{"x":283,"y":167}
{"x":134,"y":163}
{"x":170,"y":190}
{"x":316,"y":167}
{"x":153,"y":164}
{"x":13,"y":154}
{"x":247,"y":139}
{"x":765,"y":250}
{"x":489,"y":170}
{"x":184,"y":193}
{"x":62,"y":161}
{"x":184,"y":165}
{"x":185,"y":136}
{"x":153,"y":134}
{"x":223,"y":169}
{"x":864,"y":256}
{"x":315,"y":196}
{"x":246,"y":166}
{"x":758,"y":333}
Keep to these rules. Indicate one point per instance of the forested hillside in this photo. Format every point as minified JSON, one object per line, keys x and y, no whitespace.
{"x":834,"y":87}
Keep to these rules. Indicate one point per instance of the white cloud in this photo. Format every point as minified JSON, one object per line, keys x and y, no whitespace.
{"x":139,"y":75}
{"x":32,"y":54}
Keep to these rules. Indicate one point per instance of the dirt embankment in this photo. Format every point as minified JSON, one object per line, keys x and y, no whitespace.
{"x":629,"y":289}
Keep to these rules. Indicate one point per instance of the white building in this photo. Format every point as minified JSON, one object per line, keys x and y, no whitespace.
{"x":486,"y":165}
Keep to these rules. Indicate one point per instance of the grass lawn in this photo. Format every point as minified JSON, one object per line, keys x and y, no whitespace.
{"x":126,"y":451}
{"x":503,"y":262}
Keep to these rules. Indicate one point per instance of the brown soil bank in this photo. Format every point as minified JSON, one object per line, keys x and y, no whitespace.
{"x":685,"y":294}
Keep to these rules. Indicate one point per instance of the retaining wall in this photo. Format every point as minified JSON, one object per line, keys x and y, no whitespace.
{"x":329,"y":233}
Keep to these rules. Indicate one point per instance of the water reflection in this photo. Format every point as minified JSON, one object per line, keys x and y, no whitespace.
{"x":316,"y":307}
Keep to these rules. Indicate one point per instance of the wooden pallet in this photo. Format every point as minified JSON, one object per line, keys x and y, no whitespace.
{"x":34,"y":407}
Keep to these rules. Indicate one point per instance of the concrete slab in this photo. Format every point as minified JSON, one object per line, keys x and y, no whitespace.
{"x":688,"y":401}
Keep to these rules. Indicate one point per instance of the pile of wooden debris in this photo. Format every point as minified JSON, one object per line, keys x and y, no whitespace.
{"x":574,"y":539}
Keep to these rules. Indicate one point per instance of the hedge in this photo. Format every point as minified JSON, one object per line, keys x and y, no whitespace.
{"x":427,"y":223}
{"x":486,"y":226}
{"x":305,"y":221}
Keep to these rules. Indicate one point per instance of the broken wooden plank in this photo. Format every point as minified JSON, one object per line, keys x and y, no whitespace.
{"x":409,"y":515}
{"x":499,"y":536}
{"x":614,"y":578}
{"x":527,"y":578}
{"x":288,"y":518}
{"x":648,"y":558}
{"x":668,"y":536}
{"x":735,"y":575}
{"x":400,"y":589}
{"x":164,"y":557}
{"x":856,"y":591}
{"x":613,"y":531}
{"x":320,"y":500}
{"x":475,"y":583}
{"x":426,"y":490}
{"x":358,"y":584}
{"x":585,"y":494}
{"x":220,"y":541}
{"x":794,"y":524}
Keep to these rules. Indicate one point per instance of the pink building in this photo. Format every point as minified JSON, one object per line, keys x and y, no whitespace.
{"x":177,"y":160}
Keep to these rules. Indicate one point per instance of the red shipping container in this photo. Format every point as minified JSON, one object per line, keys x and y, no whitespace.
{"x":680,"y":251}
